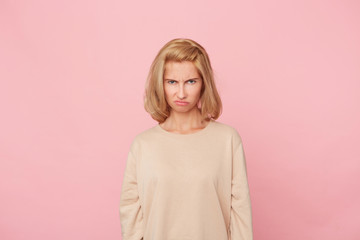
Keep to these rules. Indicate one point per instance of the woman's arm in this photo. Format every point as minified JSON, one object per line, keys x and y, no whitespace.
{"x":240,"y":216}
{"x":131,"y":216}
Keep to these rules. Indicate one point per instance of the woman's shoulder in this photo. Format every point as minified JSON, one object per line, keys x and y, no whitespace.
{"x":228,"y":131}
{"x":225,"y":127}
{"x":142,"y":136}
{"x":145,"y":133}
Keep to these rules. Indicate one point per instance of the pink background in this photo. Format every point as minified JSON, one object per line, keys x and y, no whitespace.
{"x":72,"y":77}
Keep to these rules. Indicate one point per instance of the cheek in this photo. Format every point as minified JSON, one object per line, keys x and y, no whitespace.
{"x":168,"y":91}
{"x":195,"y":90}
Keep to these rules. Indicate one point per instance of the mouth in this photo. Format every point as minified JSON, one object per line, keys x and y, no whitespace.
{"x":181,"y":103}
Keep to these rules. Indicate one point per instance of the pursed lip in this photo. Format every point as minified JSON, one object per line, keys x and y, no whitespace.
{"x":181,"y":102}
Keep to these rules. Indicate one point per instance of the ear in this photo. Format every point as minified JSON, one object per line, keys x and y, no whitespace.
{"x":199,"y":103}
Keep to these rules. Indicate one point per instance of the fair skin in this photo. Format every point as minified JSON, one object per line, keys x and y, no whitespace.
{"x":182,"y":82}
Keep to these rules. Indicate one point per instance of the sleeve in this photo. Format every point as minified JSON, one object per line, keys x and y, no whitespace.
{"x":131,"y":216}
{"x":240,"y":215}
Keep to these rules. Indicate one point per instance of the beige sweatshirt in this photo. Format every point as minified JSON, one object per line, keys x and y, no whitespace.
{"x":186,"y":186}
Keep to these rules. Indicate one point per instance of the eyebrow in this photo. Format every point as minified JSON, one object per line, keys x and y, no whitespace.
{"x":185,"y":80}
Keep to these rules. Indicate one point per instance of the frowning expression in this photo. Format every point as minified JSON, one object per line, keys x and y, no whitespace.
{"x":182,"y":85}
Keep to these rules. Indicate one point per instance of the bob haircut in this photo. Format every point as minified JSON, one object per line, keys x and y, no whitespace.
{"x":181,"y":49}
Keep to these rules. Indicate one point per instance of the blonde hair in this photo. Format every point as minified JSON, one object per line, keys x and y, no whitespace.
{"x":181,"y":49}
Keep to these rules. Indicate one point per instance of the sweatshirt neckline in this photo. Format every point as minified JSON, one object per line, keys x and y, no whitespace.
{"x":181,"y":135}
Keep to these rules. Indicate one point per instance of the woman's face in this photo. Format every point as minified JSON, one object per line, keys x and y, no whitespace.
{"x":182,"y":83}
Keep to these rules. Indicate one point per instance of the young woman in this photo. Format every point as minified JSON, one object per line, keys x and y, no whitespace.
{"x":185,"y":178}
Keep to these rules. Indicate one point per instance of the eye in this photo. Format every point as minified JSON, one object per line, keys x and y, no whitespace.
{"x":171,"y":81}
{"x":193,"y":81}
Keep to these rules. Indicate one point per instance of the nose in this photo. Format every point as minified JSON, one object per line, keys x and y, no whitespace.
{"x":181,"y":92}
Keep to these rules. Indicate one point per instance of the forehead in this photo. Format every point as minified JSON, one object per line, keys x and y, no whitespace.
{"x":178,"y":70}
